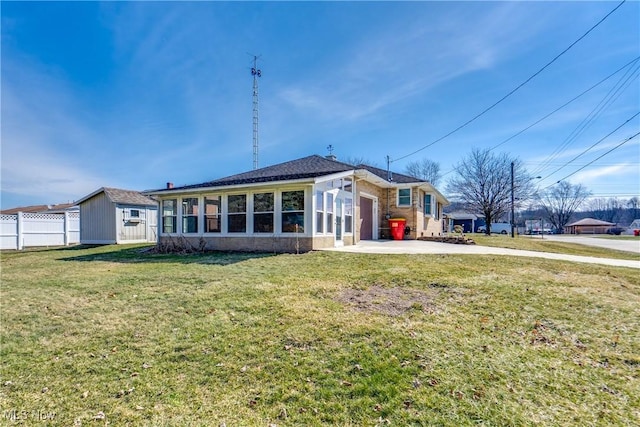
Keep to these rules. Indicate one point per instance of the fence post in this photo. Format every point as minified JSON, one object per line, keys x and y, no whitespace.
{"x":66,"y":228}
{"x":19,"y":230}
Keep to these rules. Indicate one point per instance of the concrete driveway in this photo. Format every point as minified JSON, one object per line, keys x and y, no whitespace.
{"x":421,"y":247}
{"x":630,"y":244}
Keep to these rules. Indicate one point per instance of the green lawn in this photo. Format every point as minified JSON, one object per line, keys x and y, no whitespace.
{"x":112,"y":335}
{"x":538,"y":244}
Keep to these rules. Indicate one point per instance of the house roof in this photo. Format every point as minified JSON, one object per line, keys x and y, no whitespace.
{"x":39,"y":209}
{"x":395,"y":177}
{"x":125,"y":197}
{"x":461,"y":215}
{"x":590,"y":222}
{"x":307,"y":167}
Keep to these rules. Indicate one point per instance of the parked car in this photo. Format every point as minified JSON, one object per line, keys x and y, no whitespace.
{"x":616,"y":230}
{"x":498,"y":227}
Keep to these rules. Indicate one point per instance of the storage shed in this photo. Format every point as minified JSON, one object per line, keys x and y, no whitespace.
{"x":112,"y":215}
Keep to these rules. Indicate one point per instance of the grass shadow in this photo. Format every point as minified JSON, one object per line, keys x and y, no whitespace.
{"x":144,"y":254}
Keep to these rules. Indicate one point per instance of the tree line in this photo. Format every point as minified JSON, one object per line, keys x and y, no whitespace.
{"x":491,"y":185}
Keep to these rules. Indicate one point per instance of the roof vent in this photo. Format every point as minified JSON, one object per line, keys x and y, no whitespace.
{"x":331,"y":157}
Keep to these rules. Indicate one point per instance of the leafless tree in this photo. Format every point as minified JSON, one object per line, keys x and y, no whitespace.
{"x":633,"y":204}
{"x":482,"y":182}
{"x":425,"y":169}
{"x":355,"y":161}
{"x":561,"y":201}
{"x":609,"y":210}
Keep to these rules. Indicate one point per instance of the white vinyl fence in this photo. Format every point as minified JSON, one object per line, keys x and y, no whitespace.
{"x":39,"y":229}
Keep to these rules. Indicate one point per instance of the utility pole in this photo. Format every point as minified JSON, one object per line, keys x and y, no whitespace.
{"x":255,"y":72}
{"x":513,"y":205}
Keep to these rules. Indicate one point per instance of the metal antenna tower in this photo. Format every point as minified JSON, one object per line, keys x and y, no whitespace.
{"x":255,"y":72}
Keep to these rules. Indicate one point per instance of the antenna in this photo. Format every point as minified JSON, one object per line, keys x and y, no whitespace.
{"x":255,"y":72}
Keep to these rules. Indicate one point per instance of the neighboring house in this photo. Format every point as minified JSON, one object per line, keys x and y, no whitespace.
{"x":59,"y":208}
{"x":468,"y":221}
{"x":305,"y":204}
{"x":111,"y":215}
{"x":588,"y":226}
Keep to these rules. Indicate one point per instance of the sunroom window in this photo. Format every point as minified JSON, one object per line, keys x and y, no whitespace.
{"x":263,"y":213}
{"x":212,"y":214}
{"x":329,"y":213}
{"x":319,"y":212}
{"x":293,"y":211}
{"x":348,"y":215}
{"x":237,"y":216}
{"x":190,"y":215}
{"x":169,"y":215}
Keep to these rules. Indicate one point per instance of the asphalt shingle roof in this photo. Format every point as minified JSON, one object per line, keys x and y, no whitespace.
{"x":395,"y":177}
{"x":306,"y":167}
{"x":589,"y":222}
{"x":125,"y":197}
{"x":128,"y":197}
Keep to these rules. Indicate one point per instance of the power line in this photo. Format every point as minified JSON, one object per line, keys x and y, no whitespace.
{"x":514,"y":90}
{"x":588,"y":149}
{"x":594,"y":160}
{"x":613,"y":94}
{"x":565,"y":104}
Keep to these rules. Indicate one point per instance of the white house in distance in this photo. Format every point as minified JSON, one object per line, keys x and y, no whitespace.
{"x":112,"y":215}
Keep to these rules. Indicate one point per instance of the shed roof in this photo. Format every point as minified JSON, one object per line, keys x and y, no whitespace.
{"x":125,"y":197}
{"x":590,"y":222}
{"x":462,"y":215}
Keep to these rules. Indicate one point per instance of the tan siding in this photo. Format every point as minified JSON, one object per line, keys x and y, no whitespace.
{"x":97,"y":223}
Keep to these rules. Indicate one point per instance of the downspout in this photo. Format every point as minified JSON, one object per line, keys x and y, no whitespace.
{"x":414,"y":212}
{"x":389,"y":179}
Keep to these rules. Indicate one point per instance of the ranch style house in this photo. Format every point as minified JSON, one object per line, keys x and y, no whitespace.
{"x":310,"y":203}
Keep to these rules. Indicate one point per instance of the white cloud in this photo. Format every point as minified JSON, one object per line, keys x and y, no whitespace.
{"x":404,"y":61}
{"x":42,"y":140}
{"x":597,"y":175}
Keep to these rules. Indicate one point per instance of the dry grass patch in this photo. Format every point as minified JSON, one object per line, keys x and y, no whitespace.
{"x":389,"y":301}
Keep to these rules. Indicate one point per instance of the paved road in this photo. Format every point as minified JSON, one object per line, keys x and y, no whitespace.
{"x":630,"y":244}
{"x":421,"y":247}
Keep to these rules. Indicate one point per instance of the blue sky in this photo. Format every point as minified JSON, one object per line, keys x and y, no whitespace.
{"x":134,"y":94}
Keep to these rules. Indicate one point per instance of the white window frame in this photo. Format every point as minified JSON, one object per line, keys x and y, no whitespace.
{"x":348,"y":221}
{"x":254,"y":212}
{"x":248,"y":198}
{"x":205,"y":216}
{"x":319,"y":212}
{"x":433,"y":206}
{"x":185,"y":215}
{"x":304,"y":211}
{"x":410,"y":197}
{"x":175,"y":216}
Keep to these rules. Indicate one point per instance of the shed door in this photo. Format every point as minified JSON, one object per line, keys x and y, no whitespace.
{"x":152,"y":224}
{"x":366,"y":218}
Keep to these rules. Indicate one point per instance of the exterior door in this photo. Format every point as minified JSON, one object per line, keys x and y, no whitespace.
{"x":339,"y":241}
{"x":366,"y":218}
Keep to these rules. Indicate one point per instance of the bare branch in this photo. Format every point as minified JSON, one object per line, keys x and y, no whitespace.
{"x":483,"y":183}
